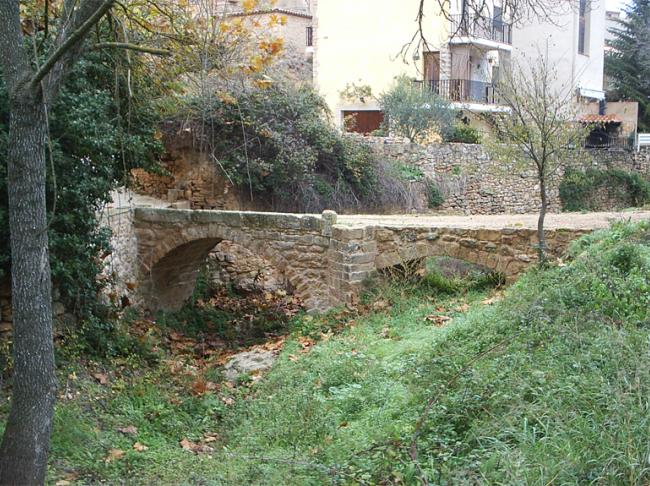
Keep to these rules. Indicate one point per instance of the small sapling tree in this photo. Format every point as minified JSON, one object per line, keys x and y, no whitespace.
{"x":539,"y":131}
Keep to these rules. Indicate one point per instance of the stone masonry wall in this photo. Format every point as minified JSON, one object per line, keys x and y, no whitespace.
{"x":173,"y":244}
{"x":192,"y":178}
{"x":473,"y":183}
{"x":325,"y":263}
{"x":232,"y":264}
{"x":121,"y":266}
{"x":357,"y":253}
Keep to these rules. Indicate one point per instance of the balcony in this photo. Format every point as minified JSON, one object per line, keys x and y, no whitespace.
{"x":464,"y":91}
{"x":471,"y":29}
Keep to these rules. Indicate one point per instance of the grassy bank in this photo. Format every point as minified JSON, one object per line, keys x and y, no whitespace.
{"x":548,"y":384}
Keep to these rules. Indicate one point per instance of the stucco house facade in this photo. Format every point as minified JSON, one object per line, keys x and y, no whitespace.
{"x":574,"y":44}
{"x":361,"y":44}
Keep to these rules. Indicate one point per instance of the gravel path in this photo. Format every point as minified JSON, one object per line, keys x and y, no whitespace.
{"x":587,"y":221}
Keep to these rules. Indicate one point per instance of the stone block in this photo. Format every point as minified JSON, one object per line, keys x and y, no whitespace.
{"x":181,"y":205}
{"x":347,"y":233}
{"x":359,"y":258}
{"x":385,"y":260}
{"x":469,"y":242}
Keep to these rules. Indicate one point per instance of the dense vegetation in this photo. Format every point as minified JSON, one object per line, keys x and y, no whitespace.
{"x":580,"y":190}
{"x":627,"y":63}
{"x":545,"y":384}
{"x":276,"y":143}
{"x":96,"y":137}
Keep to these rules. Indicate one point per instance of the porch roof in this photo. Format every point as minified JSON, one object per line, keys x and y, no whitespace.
{"x":600,"y":119}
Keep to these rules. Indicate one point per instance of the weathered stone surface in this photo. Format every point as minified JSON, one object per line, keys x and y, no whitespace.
{"x":248,"y":362}
{"x":158,"y":253}
{"x":473,"y":183}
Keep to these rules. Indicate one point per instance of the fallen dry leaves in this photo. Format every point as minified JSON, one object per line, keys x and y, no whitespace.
{"x":437,"y":320}
{"x":493,"y":300}
{"x":114,"y":455}
{"x":139,"y":447}
{"x":380,"y":305}
{"x":195,"y":447}
{"x":464,"y":307}
{"x":128,"y":430}
{"x":102,"y":378}
{"x":67,"y":479}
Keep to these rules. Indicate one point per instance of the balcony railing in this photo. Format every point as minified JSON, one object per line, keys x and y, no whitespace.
{"x":609,"y":141}
{"x":481,"y":28}
{"x":464,"y":90}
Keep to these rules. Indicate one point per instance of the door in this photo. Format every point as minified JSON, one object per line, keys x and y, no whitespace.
{"x":362,"y":121}
{"x":432,"y":70}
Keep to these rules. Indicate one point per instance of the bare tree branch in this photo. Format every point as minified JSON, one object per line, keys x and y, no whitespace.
{"x":86,"y":17}
{"x":132,"y":47}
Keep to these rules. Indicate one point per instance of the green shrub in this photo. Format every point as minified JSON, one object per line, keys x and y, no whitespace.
{"x":278,"y":144}
{"x":435,"y":198}
{"x":409,"y":173}
{"x":415,"y":113}
{"x":465,"y":134}
{"x":577,"y":188}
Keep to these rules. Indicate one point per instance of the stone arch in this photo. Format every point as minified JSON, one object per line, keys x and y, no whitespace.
{"x":472,"y":253}
{"x":170,"y":268}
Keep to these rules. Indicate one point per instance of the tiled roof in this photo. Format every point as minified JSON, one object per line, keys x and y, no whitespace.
{"x":270,"y":11}
{"x":600,"y":119}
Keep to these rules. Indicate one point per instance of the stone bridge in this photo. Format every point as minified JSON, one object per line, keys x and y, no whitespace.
{"x":325,"y":258}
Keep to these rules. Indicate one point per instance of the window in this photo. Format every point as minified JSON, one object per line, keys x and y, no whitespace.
{"x":498,"y":31}
{"x":310,"y":36}
{"x":498,"y":17}
{"x":583,"y":27}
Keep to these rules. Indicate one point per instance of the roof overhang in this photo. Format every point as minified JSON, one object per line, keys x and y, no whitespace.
{"x":479,"y":43}
{"x":600,"y":119}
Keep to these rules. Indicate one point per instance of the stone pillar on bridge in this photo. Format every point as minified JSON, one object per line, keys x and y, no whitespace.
{"x":351,"y":260}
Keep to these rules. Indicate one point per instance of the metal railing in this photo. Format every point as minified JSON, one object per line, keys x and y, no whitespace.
{"x":605,"y":141}
{"x":643,"y":140}
{"x":464,"y":90}
{"x":481,"y":28}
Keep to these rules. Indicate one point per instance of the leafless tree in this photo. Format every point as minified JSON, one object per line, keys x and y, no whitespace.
{"x":540,"y":131}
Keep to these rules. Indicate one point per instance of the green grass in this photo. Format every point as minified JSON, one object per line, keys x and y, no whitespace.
{"x":551,"y":385}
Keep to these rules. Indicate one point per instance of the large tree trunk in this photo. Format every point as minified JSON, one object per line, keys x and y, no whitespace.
{"x":541,"y":249}
{"x":24,"y":449}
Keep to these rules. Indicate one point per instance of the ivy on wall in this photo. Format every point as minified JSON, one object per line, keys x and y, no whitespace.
{"x":580,"y":191}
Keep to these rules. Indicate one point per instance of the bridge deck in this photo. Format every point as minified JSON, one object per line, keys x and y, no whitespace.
{"x":575,"y":221}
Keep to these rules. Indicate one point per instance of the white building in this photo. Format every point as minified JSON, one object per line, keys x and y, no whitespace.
{"x":574,"y":45}
{"x":359,"y":43}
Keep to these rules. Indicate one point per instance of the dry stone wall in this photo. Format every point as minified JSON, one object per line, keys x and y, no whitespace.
{"x":235,"y":265}
{"x":473,"y":183}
